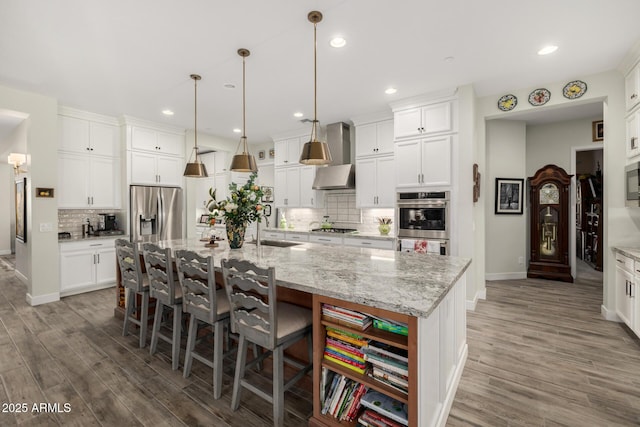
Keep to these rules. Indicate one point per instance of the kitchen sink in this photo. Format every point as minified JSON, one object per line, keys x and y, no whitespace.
{"x":278,"y":243}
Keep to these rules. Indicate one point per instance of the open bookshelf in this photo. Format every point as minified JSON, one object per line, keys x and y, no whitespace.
{"x":408,"y":343}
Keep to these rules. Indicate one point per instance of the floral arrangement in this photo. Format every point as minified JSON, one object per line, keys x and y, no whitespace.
{"x":241,"y":207}
{"x":383,"y":220}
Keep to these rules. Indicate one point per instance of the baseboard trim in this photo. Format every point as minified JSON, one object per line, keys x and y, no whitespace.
{"x":83,"y":289}
{"x":471,"y":304}
{"x":451,"y":394}
{"x":43,"y":299}
{"x":609,"y":315}
{"x":506,"y":276}
{"x":5,"y":252}
{"x":21,"y":277}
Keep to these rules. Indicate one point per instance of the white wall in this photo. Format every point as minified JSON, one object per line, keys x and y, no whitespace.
{"x":505,"y":234}
{"x":6,"y":223}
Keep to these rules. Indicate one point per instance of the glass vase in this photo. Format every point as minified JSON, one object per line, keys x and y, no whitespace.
{"x":384,"y":229}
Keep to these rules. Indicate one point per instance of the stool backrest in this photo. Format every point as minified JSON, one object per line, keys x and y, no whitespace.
{"x":129,"y":263}
{"x":159,"y":266}
{"x":252,"y":298}
{"x":198,"y":283}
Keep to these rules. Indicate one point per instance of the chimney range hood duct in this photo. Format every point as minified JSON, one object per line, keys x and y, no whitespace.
{"x":340,"y":174}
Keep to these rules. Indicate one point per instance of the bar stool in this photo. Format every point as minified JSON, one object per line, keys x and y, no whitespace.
{"x":135,"y":284}
{"x":264,"y":321}
{"x":165,"y":288}
{"x":205,"y":304}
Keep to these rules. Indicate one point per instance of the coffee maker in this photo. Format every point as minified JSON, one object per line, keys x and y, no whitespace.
{"x":107,"y":222}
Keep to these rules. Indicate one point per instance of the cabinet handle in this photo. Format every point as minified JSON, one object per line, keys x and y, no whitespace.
{"x":98,"y":255}
{"x":92,"y":200}
{"x":88,"y":148}
{"x":365,"y":243}
{"x":88,"y":200}
{"x":96,"y":244}
{"x":94,"y":258}
{"x":91,"y":149}
{"x":626,"y":287}
{"x":634,"y":96}
{"x":324,"y":240}
{"x":619,"y":260}
{"x":312,"y":200}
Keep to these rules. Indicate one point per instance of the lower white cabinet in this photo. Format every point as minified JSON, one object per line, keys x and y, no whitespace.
{"x":325,"y":240}
{"x":368,"y":243}
{"x":87,"y":265}
{"x":273,"y":235}
{"x":627,"y":307}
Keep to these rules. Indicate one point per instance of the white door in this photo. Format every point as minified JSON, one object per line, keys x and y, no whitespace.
{"x":76,"y":269}
{"x":221,"y":162}
{"x":170,"y":143}
{"x":293,"y":187}
{"x":408,"y":163}
{"x":366,"y":140}
{"x":73,"y":181}
{"x":74,"y":134}
{"x":144,"y":139}
{"x":294,"y":148}
{"x":170,"y":170}
{"x":624,"y":306}
{"x":436,"y":161}
{"x":281,"y":153}
{"x":308,"y":196}
{"x":104,"y":139}
{"x":221,"y":184}
{"x":384,"y":137}
{"x":408,"y":123}
{"x":105,"y":266}
{"x":437,"y":118}
{"x":143,"y":168}
{"x":366,"y":189}
{"x":280,"y":187}
{"x":386,"y":182}
{"x":104,"y":182}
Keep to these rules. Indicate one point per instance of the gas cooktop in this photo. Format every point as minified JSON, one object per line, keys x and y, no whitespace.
{"x":335,"y":230}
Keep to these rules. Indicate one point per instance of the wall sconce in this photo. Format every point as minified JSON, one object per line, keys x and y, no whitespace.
{"x":17,"y":160}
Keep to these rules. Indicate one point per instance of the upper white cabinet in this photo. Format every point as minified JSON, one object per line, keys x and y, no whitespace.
{"x":424,"y":120}
{"x":153,"y":169}
{"x":221,"y":162}
{"x":309,"y":198}
{"x":84,"y":136}
{"x":375,"y":182}
{"x":287,"y":187}
{"x":287,"y":152}
{"x":632,"y":87}
{"x":374,"y":138}
{"x":424,"y":162}
{"x":156,"y":141}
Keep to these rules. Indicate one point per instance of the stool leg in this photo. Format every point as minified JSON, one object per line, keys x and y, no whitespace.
{"x":278,"y":386}
{"x":157,"y":321}
{"x":175,"y":345}
{"x":144,"y":319}
{"x":128,"y":312}
{"x":191,"y":343}
{"x":218,"y":332}
{"x":239,"y":374}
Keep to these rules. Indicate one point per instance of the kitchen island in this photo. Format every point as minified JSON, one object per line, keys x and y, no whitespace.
{"x":427,"y":292}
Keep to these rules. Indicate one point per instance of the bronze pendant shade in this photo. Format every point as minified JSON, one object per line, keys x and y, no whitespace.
{"x":195,"y":169}
{"x":244,"y":161}
{"x":315,"y":152}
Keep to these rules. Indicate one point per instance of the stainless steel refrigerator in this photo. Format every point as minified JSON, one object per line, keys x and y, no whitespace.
{"x":156,"y":213}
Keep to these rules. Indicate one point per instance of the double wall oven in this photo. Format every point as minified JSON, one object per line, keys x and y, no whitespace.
{"x":424,"y":216}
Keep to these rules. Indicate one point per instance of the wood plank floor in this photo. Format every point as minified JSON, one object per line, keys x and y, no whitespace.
{"x":539,"y":354}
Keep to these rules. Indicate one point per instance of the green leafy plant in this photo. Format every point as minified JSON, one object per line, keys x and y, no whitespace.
{"x":241,"y":207}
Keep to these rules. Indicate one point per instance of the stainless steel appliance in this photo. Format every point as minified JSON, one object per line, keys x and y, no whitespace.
{"x":156,"y":213}
{"x":424,"y":216}
{"x":107,"y":222}
{"x":632,"y":175}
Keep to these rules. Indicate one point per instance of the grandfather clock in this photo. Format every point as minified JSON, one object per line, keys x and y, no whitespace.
{"x":549,"y":217}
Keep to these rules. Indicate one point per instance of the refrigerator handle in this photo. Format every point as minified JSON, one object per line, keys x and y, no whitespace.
{"x":160,"y":232}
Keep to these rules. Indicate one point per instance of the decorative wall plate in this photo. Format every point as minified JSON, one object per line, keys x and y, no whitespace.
{"x":574,"y":89}
{"x":507,"y":102}
{"x":539,"y":97}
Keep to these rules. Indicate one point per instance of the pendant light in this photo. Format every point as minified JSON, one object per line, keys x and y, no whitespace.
{"x":315,"y":152}
{"x":196,"y":169}
{"x":243,"y":162}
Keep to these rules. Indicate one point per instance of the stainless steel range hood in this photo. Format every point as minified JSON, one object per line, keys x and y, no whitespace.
{"x":340,"y":174}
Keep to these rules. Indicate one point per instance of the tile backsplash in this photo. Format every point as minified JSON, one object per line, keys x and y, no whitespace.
{"x":71,"y":220}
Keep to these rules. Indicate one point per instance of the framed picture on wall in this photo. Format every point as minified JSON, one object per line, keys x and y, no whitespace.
{"x":21,"y":210}
{"x":597,"y":130}
{"x":509,"y":192}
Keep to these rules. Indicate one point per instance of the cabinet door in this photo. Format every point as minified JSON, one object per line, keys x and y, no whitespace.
{"x":144,"y":139}
{"x":309,"y":198}
{"x":281,"y":153}
{"x":221,"y":162}
{"x":73,"y":181}
{"x":294,"y":148}
{"x":366,"y":140}
{"x":633,"y":132}
{"x":624,"y":303}
{"x":408,"y":123}
{"x":170,"y":144}
{"x":221,"y":183}
{"x":293,"y":187}
{"x":384,"y":137}
{"x":74,"y":134}
{"x":408,"y":163}
{"x":366,"y":189}
{"x":385,"y":182}
{"x":143,"y":168}
{"x":104,"y":181}
{"x":208,"y":160}
{"x":76,"y":269}
{"x":280,"y":187}
{"x":447,"y":343}
{"x":437,"y":118}
{"x":170,"y":170}
{"x":632,"y":88}
{"x":436,"y":161}
{"x":105,"y":265}
{"x":104,"y":139}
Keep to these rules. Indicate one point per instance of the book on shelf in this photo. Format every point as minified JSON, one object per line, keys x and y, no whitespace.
{"x":347,"y":337}
{"x":345,"y":317}
{"x":370,"y":418}
{"x":328,"y":396}
{"x":326,"y":379}
{"x":354,"y":406}
{"x":389,"y":384}
{"x":337,"y":394}
{"x":344,"y":362}
{"x":387,"y":363}
{"x":388,"y":350}
{"x":351,"y":349}
{"x":389,"y":326}
{"x":345,"y":399}
{"x":386,"y":406}
{"x":357,"y":356}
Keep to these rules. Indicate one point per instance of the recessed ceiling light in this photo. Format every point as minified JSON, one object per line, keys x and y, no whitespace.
{"x":229,"y":86}
{"x":237,"y":130}
{"x":298,"y":114}
{"x":338,"y":42}
{"x":547,"y":50}
{"x":167,"y":112}
{"x":390,"y":91}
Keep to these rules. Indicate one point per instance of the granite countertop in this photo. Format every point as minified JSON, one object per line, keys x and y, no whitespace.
{"x":408,"y":283}
{"x":83,"y":239}
{"x":628,"y":251}
{"x":358,"y":234}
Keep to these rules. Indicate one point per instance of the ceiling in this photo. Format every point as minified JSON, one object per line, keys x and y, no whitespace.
{"x":134,"y":58}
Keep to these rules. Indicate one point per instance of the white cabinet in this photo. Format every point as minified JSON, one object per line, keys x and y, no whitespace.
{"x":221,"y":162}
{"x":86,"y":181}
{"x":632,"y":88}
{"x":374,"y":139}
{"x":155,"y":141}
{"x":296,"y":237}
{"x":287,"y":152}
{"x":626,"y":292}
{"x":287,"y":187}
{"x":87,"y":265}
{"x":88,"y":137}
{"x":633,"y":132}
{"x":376,"y":182}
{"x":155,"y":169}
{"x":424,"y":162}
{"x":325,"y":239}
{"x":309,"y":198}
{"x":428,"y":119}
{"x":273,"y":235}
{"x":368,"y":243}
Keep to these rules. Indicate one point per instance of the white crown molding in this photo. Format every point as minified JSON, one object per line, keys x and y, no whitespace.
{"x":86,"y":115}
{"x":380,"y":116}
{"x":630,"y":59}
{"x":133,"y":121}
{"x":424,"y":99}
